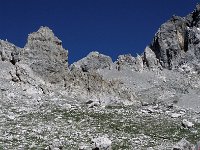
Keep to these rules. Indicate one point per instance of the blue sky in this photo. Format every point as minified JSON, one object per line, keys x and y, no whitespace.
{"x":112,"y":27}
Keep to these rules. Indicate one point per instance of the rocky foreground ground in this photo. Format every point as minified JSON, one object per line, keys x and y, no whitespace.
{"x":146,"y":102}
{"x":60,"y":123}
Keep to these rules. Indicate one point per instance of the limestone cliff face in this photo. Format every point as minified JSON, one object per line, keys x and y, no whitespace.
{"x":177,"y":40}
{"x":46,"y":56}
{"x":43,"y":102}
{"x":43,"y":64}
{"x":85,"y":80}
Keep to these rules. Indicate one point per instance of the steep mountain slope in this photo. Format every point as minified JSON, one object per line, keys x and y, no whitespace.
{"x":137,"y":102}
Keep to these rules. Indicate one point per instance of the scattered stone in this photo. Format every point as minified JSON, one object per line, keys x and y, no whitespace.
{"x":56,"y":145}
{"x":176,"y":115}
{"x":187,"y":124}
{"x":145,"y":104}
{"x":101,"y":143}
{"x":144,"y":111}
{"x":150,"y":110}
{"x":66,"y":106}
{"x":92,"y":103}
{"x":36,"y":79}
{"x":183,"y":145}
{"x":83,"y":146}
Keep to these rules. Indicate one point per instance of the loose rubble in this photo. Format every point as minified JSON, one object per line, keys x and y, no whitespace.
{"x":183,"y":144}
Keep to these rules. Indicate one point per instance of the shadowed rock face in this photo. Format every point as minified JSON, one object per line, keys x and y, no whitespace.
{"x":176,"y":42}
{"x":170,"y":42}
{"x":9,"y":52}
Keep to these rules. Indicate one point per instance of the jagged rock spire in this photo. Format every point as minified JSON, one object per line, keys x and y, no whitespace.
{"x":174,"y":42}
{"x":45,"y":55}
{"x":93,"y":61}
{"x":44,"y":34}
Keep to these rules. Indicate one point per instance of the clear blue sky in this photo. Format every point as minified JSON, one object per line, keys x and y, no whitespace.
{"x":112,"y":27}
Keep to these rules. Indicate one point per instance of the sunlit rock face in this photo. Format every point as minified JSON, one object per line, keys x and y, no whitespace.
{"x":46,"y":56}
{"x":95,"y":103}
{"x":93,"y":61}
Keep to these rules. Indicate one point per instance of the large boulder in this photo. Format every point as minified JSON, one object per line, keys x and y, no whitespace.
{"x":101,"y":143}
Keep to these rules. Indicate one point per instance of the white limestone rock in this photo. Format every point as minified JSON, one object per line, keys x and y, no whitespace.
{"x":101,"y":143}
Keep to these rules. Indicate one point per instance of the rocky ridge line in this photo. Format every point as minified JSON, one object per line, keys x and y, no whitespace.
{"x":162,"y":82}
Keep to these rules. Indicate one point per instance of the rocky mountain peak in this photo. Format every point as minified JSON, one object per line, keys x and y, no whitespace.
{"x":196,"y":16}
{"x":44,"y":34}
{"x":93,"y":61}
{"x":46,"y":105}
{"x":174,"y":43}
{"x":45,"y":55}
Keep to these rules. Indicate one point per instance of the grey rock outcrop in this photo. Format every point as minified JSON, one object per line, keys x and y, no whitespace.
{"x":92,"y":85}
{"x":170,"y":42}
{"x":92,"y":62}
{"x":9,"y":56}
{"x":139,"y":63}
{"x":43,"y":64}
{"x":150,"y":58}
{"x":177,"y":41}
{"x":193,"y":19}
{"x":129,"y":62}
{"x":125,"y":61}
{"x":60,"y":107}
{"x":9,"y":52}
{"x":84,"y":79}
{"x":45,"y":56}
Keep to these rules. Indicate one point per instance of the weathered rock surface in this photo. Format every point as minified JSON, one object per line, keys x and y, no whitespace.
{"x":183,"y":145}
{"x":176,"y":42}
{"x":187,"y":124}
{"x":92,"y":85}
{"x":127,"y":61}
{"x":45,"y":56}
{"x":93,"y":62}
{"x":101,"y":143}
{"x":150,"y":58}
{"x":45,"y":103}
